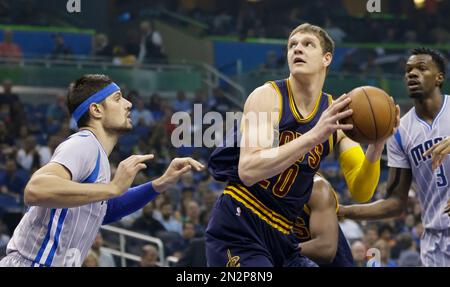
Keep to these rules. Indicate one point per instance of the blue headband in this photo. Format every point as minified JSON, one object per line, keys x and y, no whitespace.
{"x":95,"y":98}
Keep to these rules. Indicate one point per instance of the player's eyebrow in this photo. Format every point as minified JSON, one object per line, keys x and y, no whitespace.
{"x":117,"y":94}
{"x":414,"y":64}
{"x":306,"y":38}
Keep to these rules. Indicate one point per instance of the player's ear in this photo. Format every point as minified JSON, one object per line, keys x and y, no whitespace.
{"x":439,"y":78}
{"x":327,"y":58}
{"x":95,"y":110}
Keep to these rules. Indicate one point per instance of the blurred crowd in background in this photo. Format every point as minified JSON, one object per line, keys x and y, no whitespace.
{"x":29,"y":133}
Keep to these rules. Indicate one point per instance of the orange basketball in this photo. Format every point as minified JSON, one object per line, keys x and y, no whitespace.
{"x":373,"y":115}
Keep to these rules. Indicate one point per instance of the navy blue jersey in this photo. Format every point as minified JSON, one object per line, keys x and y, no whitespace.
{"x":277,"y":200}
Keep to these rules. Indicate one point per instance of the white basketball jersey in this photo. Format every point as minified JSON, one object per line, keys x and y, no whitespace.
{"x":63,"y":236}
{"x":405,"y":150}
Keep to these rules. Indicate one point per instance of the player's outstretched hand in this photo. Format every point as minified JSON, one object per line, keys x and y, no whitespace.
{"x":127,"y":170}
{"x":329,"y":120}
{"x":176,"y":169}
{"x":438,"y":152}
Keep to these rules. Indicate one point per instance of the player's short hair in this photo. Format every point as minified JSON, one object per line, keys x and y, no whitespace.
{"x":82,"y":89}
{"x":325,"y":40}
{"x":438,"y":58}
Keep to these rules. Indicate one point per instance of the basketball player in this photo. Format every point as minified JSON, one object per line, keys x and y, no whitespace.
{"x":417,"y":152}
{"x":265,"y":194}
{"x":72,"y":196}
{"x":318,"y":231}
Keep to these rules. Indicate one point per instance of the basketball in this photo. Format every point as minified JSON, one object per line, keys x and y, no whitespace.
{"x":373,"y":115}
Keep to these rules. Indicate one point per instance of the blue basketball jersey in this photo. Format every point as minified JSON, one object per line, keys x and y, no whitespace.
{"x":277,"y":200}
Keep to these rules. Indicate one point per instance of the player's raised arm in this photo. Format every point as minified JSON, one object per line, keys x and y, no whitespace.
{"x":258,"y":158}
{"x":399,"y":182}
{"x":52,"y":185}
{"x":362,"y":171}
{"x":323,"y":224}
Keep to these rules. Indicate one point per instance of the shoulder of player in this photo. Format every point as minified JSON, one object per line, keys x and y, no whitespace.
{"x":83,"y":141}
{"x":408,"y":118}
{"x":322,"y":195}
{"x":83,"y":137}
{"x":263,"y":98}
{"x":407,"y":123}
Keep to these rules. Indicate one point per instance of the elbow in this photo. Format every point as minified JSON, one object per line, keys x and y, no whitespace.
{"x":32,"y":195}
{"x":323,"y":251}
{"x":328,"y":252}
{"x":245,"y":174}
{"x":246,"y":178}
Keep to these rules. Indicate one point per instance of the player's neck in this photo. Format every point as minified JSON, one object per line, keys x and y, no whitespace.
{"x":305,"y":91}
{"x":428,"y":108}
{"x":107,"y":140}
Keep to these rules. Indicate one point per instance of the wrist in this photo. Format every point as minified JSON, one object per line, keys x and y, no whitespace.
{"x":374,"y":152}
{"x":311,"y":140}
{"x":159,"y":185}
{"x":113,"y":190}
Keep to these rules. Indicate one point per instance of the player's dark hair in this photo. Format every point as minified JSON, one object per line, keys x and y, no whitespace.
{"x":438,"y":58}
{"x":82,"y":89}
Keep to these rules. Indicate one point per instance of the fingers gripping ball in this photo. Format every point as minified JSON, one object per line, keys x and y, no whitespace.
{"x":373,"y":115}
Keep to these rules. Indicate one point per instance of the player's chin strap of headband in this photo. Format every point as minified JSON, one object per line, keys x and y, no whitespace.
{"x":95,"y":98}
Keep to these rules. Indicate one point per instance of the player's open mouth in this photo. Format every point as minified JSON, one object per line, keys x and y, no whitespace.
{"x":413,"y":84}
{"x":299,"y":60}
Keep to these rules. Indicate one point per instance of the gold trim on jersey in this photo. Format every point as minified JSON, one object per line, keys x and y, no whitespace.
{"x":244,"y":196}
{"x":280,"y":99}
{"x":294,"y":109}
{"x":330,"y":140}
{"x":337,"y":200}
{"x":307,"y":209}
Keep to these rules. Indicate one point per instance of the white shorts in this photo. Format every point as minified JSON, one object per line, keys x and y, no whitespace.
{"x":435,"y":248}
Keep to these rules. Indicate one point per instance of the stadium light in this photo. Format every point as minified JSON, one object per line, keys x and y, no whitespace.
{"x":419,"y":4}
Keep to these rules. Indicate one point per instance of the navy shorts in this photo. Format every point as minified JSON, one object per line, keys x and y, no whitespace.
{"x":238,"y":237}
